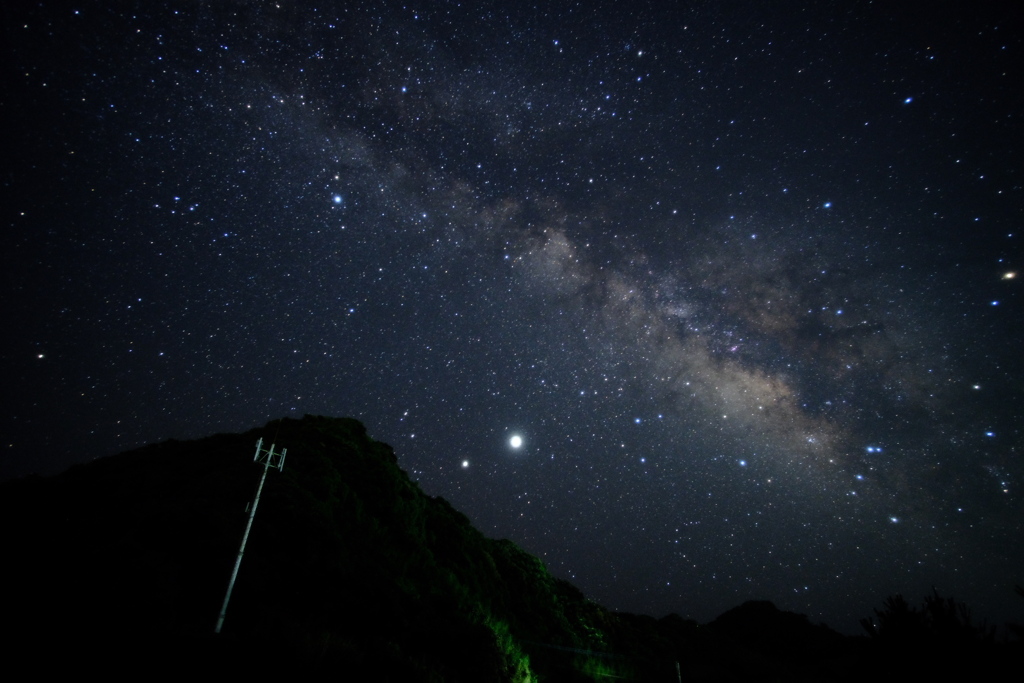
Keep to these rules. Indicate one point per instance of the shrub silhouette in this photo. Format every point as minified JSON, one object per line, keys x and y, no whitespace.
{"x":939,"y":621}
{"x":938,"y":639}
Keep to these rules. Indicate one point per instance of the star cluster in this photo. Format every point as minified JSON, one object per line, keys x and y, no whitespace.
{"x":699,"y":305}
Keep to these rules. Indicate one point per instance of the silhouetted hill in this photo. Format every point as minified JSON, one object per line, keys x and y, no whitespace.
{"x":350,"y":571}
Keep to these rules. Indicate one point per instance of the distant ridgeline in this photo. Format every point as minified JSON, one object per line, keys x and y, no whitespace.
{"x":350,"y":569}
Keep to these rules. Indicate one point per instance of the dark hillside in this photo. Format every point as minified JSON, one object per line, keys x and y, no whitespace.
{"x":120,"y":565}
{"x":348,"y":564}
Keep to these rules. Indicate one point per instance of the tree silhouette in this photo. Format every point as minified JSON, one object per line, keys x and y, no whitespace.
{"x":939,"y":621}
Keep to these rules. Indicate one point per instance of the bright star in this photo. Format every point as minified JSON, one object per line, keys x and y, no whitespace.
{"x":338,"y":199}
{"x":516,"y":441}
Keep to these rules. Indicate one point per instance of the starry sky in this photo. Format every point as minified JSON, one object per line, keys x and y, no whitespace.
{"x":743,"y":278}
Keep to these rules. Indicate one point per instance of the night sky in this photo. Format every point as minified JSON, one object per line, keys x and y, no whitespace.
{"x":743,"y":277}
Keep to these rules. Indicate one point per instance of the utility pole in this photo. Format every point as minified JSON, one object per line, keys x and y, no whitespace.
{"x":269,"y":459}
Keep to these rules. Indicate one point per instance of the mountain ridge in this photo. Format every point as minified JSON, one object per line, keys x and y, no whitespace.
{"x":349,"y":567}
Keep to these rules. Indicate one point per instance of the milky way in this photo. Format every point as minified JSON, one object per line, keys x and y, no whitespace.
{"x":738,"y":278}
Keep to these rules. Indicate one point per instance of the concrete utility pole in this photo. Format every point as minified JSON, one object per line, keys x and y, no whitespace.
{"x":269,"y":459}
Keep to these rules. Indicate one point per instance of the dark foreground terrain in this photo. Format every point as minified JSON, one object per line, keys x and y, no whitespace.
{"x":353,"y":573}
